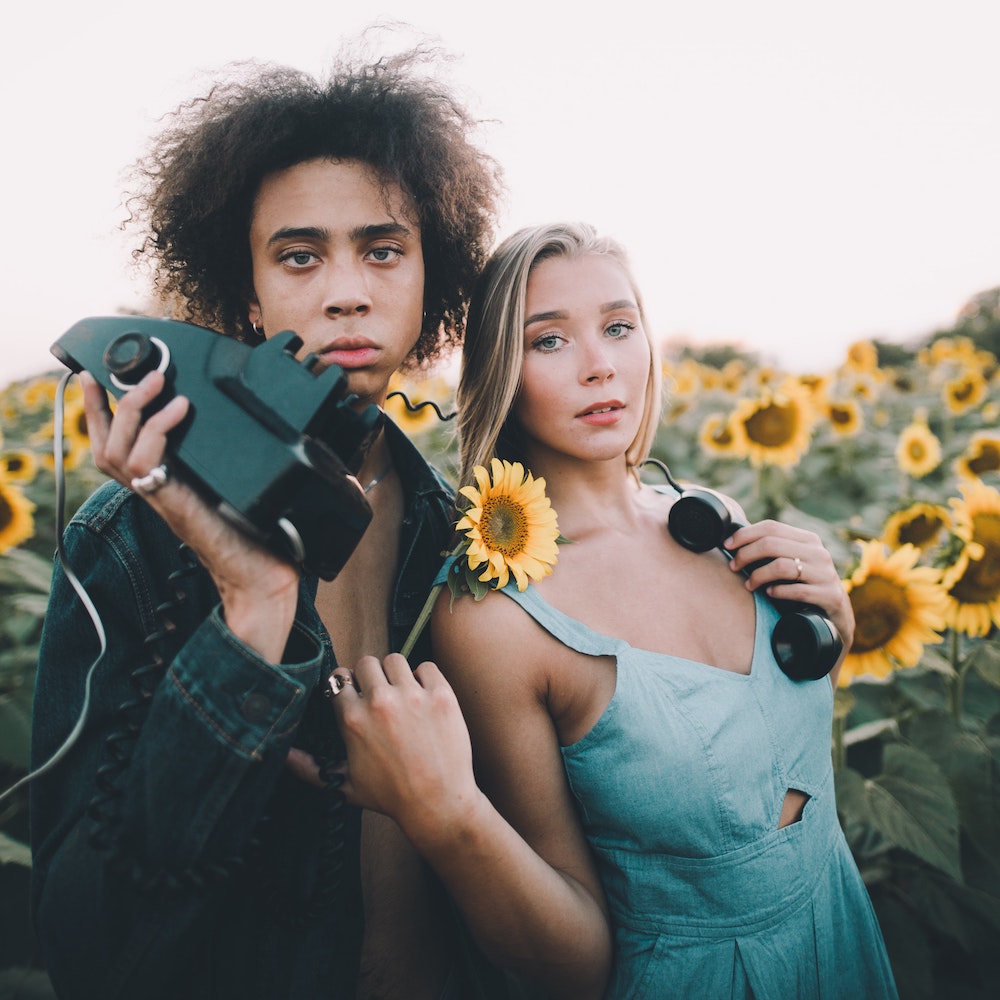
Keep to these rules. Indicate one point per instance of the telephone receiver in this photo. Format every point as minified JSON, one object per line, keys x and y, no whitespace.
{"x":272,"y":442}
{"x":805,"y":642}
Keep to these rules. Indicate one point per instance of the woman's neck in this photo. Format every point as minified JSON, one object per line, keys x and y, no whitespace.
{"x":587,"y":494}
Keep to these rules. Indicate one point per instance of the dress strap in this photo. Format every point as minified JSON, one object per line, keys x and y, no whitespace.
{"x":568,"y":631}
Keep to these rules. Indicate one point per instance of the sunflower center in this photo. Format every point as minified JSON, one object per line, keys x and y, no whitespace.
{"x":6,"y":513}
{"x":772,"y":426}
{"x":980,"y":583}
{"x":917,"y":450}
{"x":840,"y":415}
{"x":504,"y":526}
{"x":920,"y":529}
{"x":988,"y":460}
{"x":880,"y":608}
{"x":963,"y":391}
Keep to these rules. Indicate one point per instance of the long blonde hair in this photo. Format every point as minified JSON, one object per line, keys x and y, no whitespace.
{"x":493,"y":355}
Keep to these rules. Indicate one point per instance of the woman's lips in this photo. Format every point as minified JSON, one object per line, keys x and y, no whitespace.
{"x":601,"y":414}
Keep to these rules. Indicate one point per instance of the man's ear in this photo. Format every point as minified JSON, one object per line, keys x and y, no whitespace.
{"x":254,"y":313}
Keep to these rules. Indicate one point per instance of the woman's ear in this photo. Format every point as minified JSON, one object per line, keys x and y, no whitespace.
{"x":254,"y":313}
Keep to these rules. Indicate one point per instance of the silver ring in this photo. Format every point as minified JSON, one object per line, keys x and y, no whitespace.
{"x":152,"y":481}
{"x":798,"y":568}
{"x":336,"y":684}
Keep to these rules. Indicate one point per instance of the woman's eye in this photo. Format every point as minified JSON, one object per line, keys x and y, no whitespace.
{"x":620,"y":329}
{"x":547,"y":343}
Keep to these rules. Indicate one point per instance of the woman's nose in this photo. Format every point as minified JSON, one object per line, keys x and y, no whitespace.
{"x":597,"y":366}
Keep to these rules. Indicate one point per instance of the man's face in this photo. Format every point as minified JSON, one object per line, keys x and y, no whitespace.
{"x":338,"y":259}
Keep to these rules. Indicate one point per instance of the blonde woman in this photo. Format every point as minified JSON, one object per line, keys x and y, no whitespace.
{"x":627,"y":714}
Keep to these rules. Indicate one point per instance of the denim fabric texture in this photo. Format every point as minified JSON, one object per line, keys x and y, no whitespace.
{"x":194,"y":877}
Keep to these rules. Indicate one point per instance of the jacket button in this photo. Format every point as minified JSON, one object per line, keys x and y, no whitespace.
{"x":255,"y":707}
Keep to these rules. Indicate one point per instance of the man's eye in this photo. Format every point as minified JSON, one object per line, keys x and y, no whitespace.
{"x":298,"y":258}
{"x":383,"y":254}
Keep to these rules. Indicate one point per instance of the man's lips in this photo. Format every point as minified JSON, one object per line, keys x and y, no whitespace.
{"x":350,"y":353}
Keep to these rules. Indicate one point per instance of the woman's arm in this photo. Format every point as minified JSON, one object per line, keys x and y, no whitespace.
{"x":520,"y":870}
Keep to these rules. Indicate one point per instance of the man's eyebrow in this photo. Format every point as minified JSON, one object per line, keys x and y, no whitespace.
{"x":374,"y":230}
{"x":298,"y":233}
{"x":377,"y":229}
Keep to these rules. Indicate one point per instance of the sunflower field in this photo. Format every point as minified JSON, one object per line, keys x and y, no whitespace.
{"x":893,"y":458}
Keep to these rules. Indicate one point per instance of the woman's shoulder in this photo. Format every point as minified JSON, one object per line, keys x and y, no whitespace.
{"x":476,"y":636}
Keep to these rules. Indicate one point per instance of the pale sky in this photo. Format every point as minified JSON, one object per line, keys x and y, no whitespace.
{"x":788,"y":175}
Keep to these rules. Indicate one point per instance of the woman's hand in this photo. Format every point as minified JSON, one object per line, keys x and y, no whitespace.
{"x":258,"y":590}
{"x":800,"y":569}
{"x":408,"y":748}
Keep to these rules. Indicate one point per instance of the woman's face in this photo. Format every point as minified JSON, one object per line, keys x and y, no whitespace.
{"x":586,"y":360}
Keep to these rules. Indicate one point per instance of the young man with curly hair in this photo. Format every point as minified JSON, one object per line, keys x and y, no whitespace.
{"x":180,"y":849}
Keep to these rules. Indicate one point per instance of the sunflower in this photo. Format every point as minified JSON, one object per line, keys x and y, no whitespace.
{"x":965,"y":392}
{"x":898,"y":609}
{"x":510,"y":525}
{"x":777,"y":425}
{"x":76,"y":441}
{"x":16,"y":522}
{"x":918,"y":451}
{"x":766,"y":377}
{"x":818,"y":387}
{"x":39,"y":392}
{"x":973,"y":582}
{"x":864,"y":386}
{"x":711,"y":378}
{"x":947,"y":349}
{"x":862,"y":356}
{"x":733,"y":374}
{"x":18,"y":466}
{"x":720,"y":435}
{"x":920,"y":524}
{"x":982,"y":454}
{"x":684,"y":378}
{"x":845,"y":417}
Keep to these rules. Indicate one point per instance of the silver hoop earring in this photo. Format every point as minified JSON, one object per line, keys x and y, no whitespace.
{"x":256,"y":329}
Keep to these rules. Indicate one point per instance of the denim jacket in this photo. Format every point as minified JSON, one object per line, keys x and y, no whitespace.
{"x":173,"y":855}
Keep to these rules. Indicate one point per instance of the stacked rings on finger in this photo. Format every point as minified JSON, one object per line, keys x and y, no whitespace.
{"x":152,"y":481}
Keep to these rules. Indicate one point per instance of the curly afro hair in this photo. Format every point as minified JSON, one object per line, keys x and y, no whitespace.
{"x":197,"y":184}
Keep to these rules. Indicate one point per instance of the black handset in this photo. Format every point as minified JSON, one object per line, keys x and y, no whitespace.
{"x":805,"y":642}
{"x":268,"y":440}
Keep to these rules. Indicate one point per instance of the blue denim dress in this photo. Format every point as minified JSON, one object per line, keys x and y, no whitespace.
{"x":680,"y":786}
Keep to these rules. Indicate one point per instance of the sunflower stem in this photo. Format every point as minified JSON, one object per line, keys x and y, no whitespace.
{"x":839,"y":750}
{"x":957,"y":689}
{"x":422,"y":619}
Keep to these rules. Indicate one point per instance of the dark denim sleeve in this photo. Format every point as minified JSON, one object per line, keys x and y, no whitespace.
{"x":124,"y":886}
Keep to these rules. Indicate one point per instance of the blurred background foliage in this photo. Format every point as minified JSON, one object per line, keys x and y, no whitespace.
{"x":893,"y":458}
